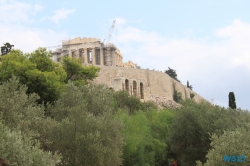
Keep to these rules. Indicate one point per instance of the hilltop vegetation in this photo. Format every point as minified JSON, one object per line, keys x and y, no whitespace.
{"x":51,"y":115}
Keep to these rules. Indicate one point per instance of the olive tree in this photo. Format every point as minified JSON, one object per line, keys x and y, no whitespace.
{"x":87,"y":132}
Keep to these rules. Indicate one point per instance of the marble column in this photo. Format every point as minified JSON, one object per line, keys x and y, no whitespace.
{"x":70,"y":54}
{"x":86,"y":61}
{"x":101,"y":56}
{"x":108,"y":57}
{"x":93,"y":56}
{"x":81,"y":55}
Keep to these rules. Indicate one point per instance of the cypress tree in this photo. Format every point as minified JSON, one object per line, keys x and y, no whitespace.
{"x":232,"y":103}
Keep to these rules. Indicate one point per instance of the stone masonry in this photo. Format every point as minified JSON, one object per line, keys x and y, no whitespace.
{"x":148,"y":85}
{"x":92,"y":51}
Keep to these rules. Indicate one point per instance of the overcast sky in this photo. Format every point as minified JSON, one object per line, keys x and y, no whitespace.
{"x":206,"y":42}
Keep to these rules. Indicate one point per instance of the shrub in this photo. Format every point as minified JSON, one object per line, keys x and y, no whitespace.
{"x":18,"y":149}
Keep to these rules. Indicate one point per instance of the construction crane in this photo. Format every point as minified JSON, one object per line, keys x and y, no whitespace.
{"x":110,"y":33}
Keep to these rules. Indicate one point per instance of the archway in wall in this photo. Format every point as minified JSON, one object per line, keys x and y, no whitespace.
{"x":126,"y":85}
{"x":141,"y":90}
{"x":134,"y":88}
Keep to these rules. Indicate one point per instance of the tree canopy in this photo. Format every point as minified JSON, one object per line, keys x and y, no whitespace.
{"x":78,"y":73}
{"x":172,"y":73}
{"x":232,"y":103}
{"x":6,"y":48}
{"x":192,"y":127}
{"x":42,"y":75}
{"x":230,"y":143}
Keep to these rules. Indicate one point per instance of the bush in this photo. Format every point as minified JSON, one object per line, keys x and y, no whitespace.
{"x":87,"y":132}
{"x":230,"y":143}
{"x":189,"y":138}
{"x":17,"y":149}
{"x":177,"y":96}
{"x":192,"y":95}
{"x":145,"y":136}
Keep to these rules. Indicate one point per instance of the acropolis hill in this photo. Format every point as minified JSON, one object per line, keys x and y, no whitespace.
{"x":146,"y":84}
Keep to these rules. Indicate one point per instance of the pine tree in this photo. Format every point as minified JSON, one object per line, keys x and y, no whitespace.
{"x":189,"y":86}
{"x":172,"y":74}
{"x":232,"y":103}
{"x":6,"y":48}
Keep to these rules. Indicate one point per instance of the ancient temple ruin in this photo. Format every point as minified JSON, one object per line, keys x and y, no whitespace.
{"x":92,"y":51}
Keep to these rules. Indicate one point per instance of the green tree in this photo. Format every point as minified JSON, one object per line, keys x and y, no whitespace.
{"x":6,"y":48}
{"x":189,"y":137}
{"x":122,"y":99}
{"x":232,"y":103}
{"x":86,"y":132}
{"x":189,"y":86}
{"x":18,"y":149}
{"x":160,"y":122}
{"x":78,"y":73}
{"x":20,"y":111}
{"x":145,"y":136}
{"x":138,"y":139}
{"x":37,"y":71}
{"x":192,"y":95}
{"x":177,"y":96}
{"x":42,"y":75}
{"x":24,"y":127}
{"x":172,"y":74}
{"x":230,"y":143}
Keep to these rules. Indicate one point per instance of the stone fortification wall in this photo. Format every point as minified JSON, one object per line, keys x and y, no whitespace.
{"x":157,"y":86}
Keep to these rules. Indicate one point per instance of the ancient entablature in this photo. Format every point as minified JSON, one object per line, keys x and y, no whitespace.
{"x":92,"y":51}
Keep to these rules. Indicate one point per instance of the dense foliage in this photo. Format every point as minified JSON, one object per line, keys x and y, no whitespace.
{"x":23,"y":127}
{"x":89,"y":124}
{"x":78,"y":73}
{"x":145,"y":137}
{"x":43,"y":76}
{"x":6,"y":48}
{"x":86,"y":132}
{"x":230,"y":143}
{"x":193,"y":124}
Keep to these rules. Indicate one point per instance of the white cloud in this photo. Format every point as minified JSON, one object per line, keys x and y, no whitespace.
{"x":213,"y":67}
{"x":238,"y":40}
{"x":38,"y":8}
{"x":28,"y":39}
{"x":13,"y":11}
{"x":120,"y":21}
{"x":231,"y":51}
{"x":25,"y":38}
{"x":60,"y":14}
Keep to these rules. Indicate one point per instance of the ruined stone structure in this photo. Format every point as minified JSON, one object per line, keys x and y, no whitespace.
{"x":92,"y":51}
{"x":148,"y":85}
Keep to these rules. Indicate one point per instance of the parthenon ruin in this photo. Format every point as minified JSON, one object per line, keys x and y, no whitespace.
{"x":92,"y":51}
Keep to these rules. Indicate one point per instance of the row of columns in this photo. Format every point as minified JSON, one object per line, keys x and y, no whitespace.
{"x":112,"y":58}
{"x":84,"y":54}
